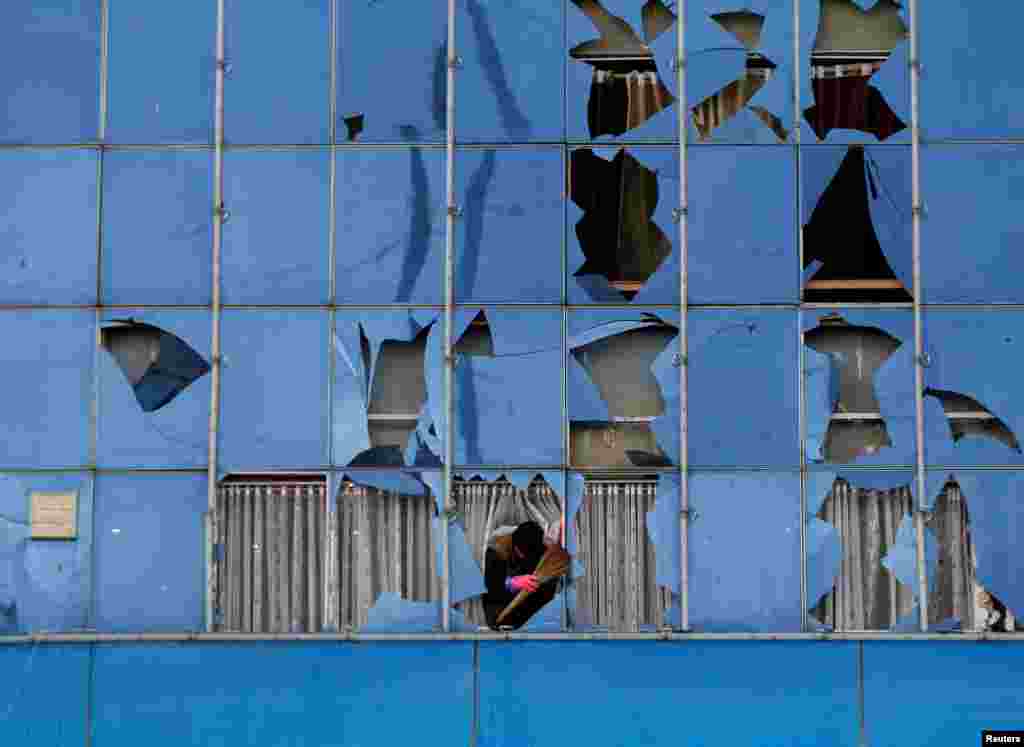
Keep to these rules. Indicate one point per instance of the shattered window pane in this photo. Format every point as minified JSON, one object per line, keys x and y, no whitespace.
{"x":739,"y":72}
{"x":162,"y":71}
{"x":623,"y":389}
{"x":273,"y":389}
{"x":619,"y":67}
{"x":509,"y":237}
{"x":154,"y":392}
{"x":862,"y":572}
{"x":157,"y":227}
{"x":158,"y":517}
{"x":390,"y":225}
{"x":48,"y":368}
{"x":44,"y":586}
{"x":972,"y":259}
{"x":510,"y":86}
{"x":969,"y":88}
{"x":859,"y":387}
{"x":299,"y":70}
{"x":388,"y":577}
{"x":32,"y":184}
{"x":857,"y":225}
{"x":392,"y":69}
{"x":743,"y":388}
{"x":507,"y":387}
{"x":59,"y":42}
{"x":856,"y":86}
{"x":975,"y":583}
{"x":972,"y":396}
{"x":619,"y":584}
{"x":733,"y":260}
{"x":270,"y":571}
{"x":513,"y":526}
{"x":621,"y":230}
{"x":276,"y":199}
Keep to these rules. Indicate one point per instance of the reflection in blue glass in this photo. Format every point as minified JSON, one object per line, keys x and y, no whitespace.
{"x":970,"y":85}
{"x":47,"y":361}
{"x":51,"y":94}
{"x":731,"y":591}
{"x":162,"y":71}
{"x":298,"y":68}
{"x":35,"y":188}
{"x":157,"y":229}
{"x":742,"y":388}
{"x":175,"y":434}
{"x":719,"y":187}
{"x":510,"y":85}
{"x":273,"y":390}
{"x":44,"y":586}
{"x":390,"y":207}
{"x":392,"y":69}
{"x":149,"y":552}
{"x":276,"y":242}
{"x":974,"y":399}
{"x":972,"y":237}
{"x":509,"y":238}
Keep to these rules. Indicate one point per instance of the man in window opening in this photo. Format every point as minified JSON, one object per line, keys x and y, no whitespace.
{"x":508,"y":566}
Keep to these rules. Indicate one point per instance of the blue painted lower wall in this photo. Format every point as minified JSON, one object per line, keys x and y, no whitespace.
{"x":519,"y":694}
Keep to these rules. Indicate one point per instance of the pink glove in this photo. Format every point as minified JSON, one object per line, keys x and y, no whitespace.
{"x":521,"y":583}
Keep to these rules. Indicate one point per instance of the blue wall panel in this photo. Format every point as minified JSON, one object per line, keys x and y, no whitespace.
{"x":43,"y":695}
{"x":642,"y":693}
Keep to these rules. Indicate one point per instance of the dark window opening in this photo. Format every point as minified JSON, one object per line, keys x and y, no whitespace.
{"x":968,"y":417}
{"x":397,"y":396}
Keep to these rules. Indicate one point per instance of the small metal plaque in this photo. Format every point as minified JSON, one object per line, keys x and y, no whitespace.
{"x":54,"y":515}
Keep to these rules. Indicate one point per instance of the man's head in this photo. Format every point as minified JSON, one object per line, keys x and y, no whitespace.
{"x":528,"y":540}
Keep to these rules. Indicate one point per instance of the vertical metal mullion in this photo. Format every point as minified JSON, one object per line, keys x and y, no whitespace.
{"x":684,"y":456}
{"x":801,"y":413}
{"x":915,"y":157}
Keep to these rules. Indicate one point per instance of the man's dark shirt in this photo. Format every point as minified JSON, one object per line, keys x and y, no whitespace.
{"x":498,"y":597}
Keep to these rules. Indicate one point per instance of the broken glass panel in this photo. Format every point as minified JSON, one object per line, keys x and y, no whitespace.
{"x":743,"y":388}
{"x":44,"y":585}
{"x":157,"y":227}
{"x":615,"y":79}
{"x":620,"y":382}
{"x":392,"y":69}
{"x":869,"y":514}
{"x":273,"y":389}
{"x":620,"y":582}
{"x":507,"y":382}
{"x":968,"y":79}
{"x":859,"y":387}
{"x":509,"y":236}
{"x":154,"y":391}
{"x":757,"y":591}
{"x":391,"y":224}
{"x":751,"y":260}
{"x":52,"y":93}
{"x":972,"y":404}
{"x":857,"y":87}
{"x":857,"y":224}
{"x":621,"y":244}
{"x":739,"y":72}
{"x":162,"y":71}
{"x":386,"y":548}
{"x":35,"y":187}
{"x":976,"y":519}
{"x":299,"y":70}
{"x":510,"y":84}
{"x":972,"y":239}
{"x":149,"y":552}
{"x":495,"y":510}
{"x":47,"y":361}
{"x":279,"y":203}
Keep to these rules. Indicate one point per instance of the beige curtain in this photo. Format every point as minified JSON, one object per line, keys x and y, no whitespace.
{"x":485,"y":507}
{"x":618,"y":589}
